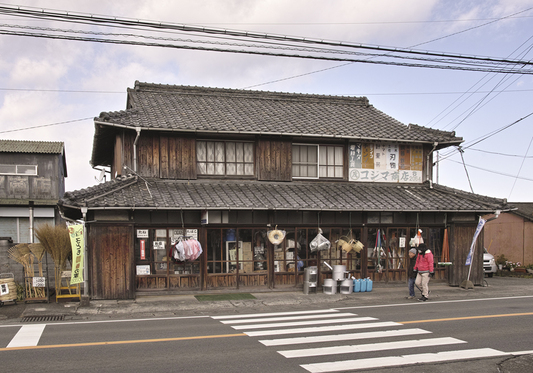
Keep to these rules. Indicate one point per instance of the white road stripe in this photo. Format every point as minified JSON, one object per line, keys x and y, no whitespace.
{"x":343,"y":337}
{"x":389,"y":361}
{"x":28,"y":335}
{"x":287,"y":318}
{"x":370,"y":347}
{"x":271,"y":314}
{"x":298,"y":323}
{"x":319,"y":329}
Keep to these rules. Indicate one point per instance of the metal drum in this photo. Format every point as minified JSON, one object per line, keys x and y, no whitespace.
{"x":346,"y":286}
{"x":330,"y":286}
{"x":339,"y":273}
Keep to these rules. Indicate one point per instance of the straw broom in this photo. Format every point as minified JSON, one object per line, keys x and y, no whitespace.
{"x":37,"y":250}
{"x":56,"y":242}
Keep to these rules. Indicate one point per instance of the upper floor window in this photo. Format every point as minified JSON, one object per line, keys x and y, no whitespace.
{"x":16,"y":169}
{"x":225,"y":158}
{"x":317,"y":161}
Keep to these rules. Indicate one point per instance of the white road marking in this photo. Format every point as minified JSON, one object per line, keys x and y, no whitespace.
{"x":319,"y":329}
{"x":287,"y":318}
{"x":343,"y":337}
{"x":434,"y":302}
{"x":271,"y":314}
{"x":28,"y":335}
{"x":299,"y":323}
{"x":370,"y":347}
{"x":389,"y":361}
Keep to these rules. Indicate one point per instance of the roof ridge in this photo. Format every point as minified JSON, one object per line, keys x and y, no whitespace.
{"x":202,"y":90}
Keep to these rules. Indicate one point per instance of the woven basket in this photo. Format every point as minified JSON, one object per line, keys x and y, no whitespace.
{"x":12,"y":288}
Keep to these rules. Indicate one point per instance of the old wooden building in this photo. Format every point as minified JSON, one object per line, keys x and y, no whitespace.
{"x":228,"y":169}
{"x":32,"y":180}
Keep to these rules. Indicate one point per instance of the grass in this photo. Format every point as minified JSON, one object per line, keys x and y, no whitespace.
{"x":218,"y":297}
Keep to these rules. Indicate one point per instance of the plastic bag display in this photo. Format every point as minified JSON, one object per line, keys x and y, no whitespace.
{"x":319,"y":243}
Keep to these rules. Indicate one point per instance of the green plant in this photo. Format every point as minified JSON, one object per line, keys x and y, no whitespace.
{"x":501,"y":259}
{"x":20,"y":292}
{"x":529,"y":266}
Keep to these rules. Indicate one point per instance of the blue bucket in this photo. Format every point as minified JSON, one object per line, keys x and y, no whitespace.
{"x":356,"y":285}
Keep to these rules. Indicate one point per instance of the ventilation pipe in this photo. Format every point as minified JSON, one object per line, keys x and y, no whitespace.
{"x":138,"y":129}
{"x":430,"y":169}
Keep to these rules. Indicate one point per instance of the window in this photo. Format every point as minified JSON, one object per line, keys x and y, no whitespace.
{"x":317,"y":161}
{"x":225,"y":158}
{"x":13,"y":169}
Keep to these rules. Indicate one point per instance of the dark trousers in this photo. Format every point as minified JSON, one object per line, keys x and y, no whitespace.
{"x":412,"y":287}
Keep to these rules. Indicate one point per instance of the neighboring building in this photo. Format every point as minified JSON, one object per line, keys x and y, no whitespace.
{"x":227,"y":166}
{"x":32,"y":177}
{"x":512,"y":234}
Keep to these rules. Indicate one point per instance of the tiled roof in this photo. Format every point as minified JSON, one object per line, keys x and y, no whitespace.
{"x":199,"y":109}
{"x":133,"y":192}
{"x":23,"y":146}
{"x":524,"y":209}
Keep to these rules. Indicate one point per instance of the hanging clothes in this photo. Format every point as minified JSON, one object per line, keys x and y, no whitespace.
{"x":187,"y":250}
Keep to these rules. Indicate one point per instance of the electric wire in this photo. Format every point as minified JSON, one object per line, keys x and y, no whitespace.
{"x":46,"y":125}
{"x":521,"y":165}
{"x":106,"y":20}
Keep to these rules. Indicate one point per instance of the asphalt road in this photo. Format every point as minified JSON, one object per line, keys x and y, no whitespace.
{"x":408,"y":336}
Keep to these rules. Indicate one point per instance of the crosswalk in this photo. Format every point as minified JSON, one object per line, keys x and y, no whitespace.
{"x":308,"y":336}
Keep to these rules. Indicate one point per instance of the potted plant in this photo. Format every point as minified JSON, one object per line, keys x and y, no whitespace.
{"x":501,"y":261}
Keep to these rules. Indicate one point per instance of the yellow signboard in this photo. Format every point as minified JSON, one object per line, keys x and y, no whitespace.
{"x":77,"y":243}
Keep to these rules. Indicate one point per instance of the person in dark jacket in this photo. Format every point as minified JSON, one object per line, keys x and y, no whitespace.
{"x":424,"y":267}
{"x":411,"y":274}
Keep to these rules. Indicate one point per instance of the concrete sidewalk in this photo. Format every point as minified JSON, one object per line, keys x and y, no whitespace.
{"x":169,"y":305}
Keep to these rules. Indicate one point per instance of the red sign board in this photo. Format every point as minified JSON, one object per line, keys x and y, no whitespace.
{"x":143,"y":250}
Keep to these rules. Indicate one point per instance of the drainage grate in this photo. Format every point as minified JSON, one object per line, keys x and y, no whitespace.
{"x":43,"y":318}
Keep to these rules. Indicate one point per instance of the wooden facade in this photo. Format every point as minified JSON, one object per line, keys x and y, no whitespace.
{"x":111,"y":264}
{"x":354,"y":171}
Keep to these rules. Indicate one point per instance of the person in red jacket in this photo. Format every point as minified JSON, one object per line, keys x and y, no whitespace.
{"x":424,"y":269}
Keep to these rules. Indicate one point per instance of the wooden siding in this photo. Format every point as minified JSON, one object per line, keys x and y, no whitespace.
{"x":111,"y":263}
{"x":158,"y":155}
{"x":460,"y":241}
{"x":48,"y":184}
{"x":274,"y":160}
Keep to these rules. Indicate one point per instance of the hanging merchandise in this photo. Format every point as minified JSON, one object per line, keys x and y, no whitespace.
{"x":276,"y":236}
{"x":187,"y":250}
{"x":417,"y":240}
{"x":378,"y":252}
{"x":319,"y":243}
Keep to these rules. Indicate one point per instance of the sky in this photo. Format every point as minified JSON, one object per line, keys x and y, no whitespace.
{"x":51,"y":89}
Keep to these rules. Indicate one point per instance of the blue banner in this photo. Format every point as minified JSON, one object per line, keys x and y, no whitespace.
{"x":476,"y":234}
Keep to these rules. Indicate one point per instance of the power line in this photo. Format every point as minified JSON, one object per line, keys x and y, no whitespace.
{"x":521,"y":165}
{"x":106,"y":20}
{"x":491,"y":171}
{"x":47,"y":125}
{"x":469,"y":66}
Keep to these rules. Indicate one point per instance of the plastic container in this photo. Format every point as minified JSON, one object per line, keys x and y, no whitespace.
{"x":356,"y":285}
{"x":368,"y":284}
{"x":363,"y":285}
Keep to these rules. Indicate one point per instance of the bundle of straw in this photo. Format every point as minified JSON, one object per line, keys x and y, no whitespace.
{"x":37,"y":250}
{"x":56,"y":242}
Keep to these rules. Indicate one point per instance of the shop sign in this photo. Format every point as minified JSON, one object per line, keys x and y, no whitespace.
{"x":142,"y":233}
{"x":77,"y":243}
{"x":385,"y":163}
{"x":143,"y":249}
{"x":143,"y":270}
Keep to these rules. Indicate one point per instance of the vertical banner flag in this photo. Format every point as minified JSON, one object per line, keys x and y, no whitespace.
{"x":472,"y":247}
{"x":77,"y":243}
